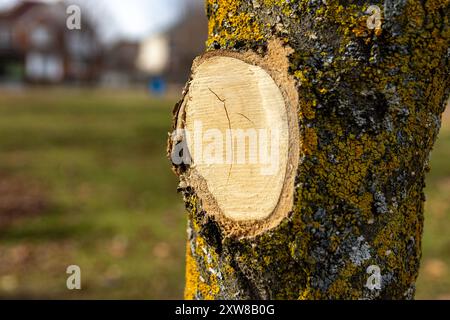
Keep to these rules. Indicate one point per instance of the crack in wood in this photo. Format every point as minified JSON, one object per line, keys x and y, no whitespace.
{"x":229,"y":127}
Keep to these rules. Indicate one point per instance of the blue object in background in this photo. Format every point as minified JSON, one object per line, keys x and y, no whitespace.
{"x":157,"y":85}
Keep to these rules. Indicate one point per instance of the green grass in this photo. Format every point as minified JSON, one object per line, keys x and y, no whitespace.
{"x":114,"y":211}
{"x":98,"y":157}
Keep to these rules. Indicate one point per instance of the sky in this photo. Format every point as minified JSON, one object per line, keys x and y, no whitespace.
{"x":131,"y":19}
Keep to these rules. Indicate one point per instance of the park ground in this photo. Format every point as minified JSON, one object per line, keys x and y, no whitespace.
{"x":84,"y":180}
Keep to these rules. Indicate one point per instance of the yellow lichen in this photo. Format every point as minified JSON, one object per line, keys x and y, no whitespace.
{"x":241,"y":25}
{"x":192,"y":275}
{"x":309,"y":143}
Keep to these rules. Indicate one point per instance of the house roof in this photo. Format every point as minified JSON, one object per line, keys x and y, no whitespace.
{"x":19,"y":9}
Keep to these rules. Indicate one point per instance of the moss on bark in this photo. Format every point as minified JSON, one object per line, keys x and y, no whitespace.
{"x":369,"y":112}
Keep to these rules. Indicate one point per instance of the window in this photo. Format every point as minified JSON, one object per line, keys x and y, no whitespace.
{"x":41,"y":37}
{"x":44,"y":67}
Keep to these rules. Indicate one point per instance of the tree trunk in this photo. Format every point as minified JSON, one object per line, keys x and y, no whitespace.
{"x":356,"y":95}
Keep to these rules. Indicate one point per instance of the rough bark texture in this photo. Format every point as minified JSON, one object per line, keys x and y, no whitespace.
{"x":369,"y":111}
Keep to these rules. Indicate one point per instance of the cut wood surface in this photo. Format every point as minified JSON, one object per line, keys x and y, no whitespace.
{"x":234,"y":109}
{"x":239,"y":127}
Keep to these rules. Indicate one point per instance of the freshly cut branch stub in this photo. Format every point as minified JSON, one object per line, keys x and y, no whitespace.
{"x":237,"y":133}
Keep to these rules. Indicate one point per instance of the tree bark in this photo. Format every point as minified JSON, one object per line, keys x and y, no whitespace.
{"x":369,"y":94}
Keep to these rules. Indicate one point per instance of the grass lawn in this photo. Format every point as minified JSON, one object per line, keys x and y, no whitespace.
{"x":111,"y":207}
{"x":84,"y":180}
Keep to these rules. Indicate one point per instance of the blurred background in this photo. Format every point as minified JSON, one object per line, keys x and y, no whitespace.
{"x":84,"y":118}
